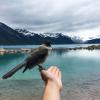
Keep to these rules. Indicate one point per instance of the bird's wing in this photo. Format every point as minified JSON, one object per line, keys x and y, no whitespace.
{"x":38,"y":56}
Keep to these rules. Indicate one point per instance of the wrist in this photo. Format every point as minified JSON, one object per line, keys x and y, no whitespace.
{"x":52,"y":85}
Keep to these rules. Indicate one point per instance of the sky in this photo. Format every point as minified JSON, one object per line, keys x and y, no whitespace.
{"x":79,"y":18}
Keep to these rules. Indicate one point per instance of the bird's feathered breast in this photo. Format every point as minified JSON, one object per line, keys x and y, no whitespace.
{"x":37,"y":56}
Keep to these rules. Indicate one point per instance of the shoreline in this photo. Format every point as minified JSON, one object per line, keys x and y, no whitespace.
{"x":92,"y":47}
{"x":14,"y":51}
{"x":27,"y":50}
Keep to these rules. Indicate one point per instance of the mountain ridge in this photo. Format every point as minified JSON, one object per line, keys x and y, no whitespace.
{"x":9,"y":36}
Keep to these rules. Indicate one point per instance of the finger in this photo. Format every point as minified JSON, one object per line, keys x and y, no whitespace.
{"x":50,"y":69}
{"x":54,"y":70}
{"x":59,"y":74}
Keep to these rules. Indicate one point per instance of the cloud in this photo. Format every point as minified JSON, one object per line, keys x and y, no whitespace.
{"x":52,"y":15}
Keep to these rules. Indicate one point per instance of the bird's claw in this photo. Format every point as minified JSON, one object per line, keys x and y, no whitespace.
{"x":41,"y":68}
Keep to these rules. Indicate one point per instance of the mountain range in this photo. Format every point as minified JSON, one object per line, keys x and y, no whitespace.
{"x":9,"y":36}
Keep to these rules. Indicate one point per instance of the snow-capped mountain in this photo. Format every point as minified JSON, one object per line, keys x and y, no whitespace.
{"x":55,"y":38}
{"x":9,"y":36}
{"x":48,"y":34}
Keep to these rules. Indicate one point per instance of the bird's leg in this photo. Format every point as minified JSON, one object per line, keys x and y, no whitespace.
{"x":41,"y":68}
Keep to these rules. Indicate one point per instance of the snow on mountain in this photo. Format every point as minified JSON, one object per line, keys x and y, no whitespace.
{"x":48,"y":34}
{"x":55,"y":35}
{"x":56,"y":38}
{"x":25,"y":32}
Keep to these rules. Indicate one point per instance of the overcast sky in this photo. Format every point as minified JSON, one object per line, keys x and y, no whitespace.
{"x":72,"y":17}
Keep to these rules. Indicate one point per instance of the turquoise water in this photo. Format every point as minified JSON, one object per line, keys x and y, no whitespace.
{"x":80,"y":74}
{"x":76,"y":66}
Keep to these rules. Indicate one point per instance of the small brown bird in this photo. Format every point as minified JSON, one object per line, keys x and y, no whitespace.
{"x":37,"y":57}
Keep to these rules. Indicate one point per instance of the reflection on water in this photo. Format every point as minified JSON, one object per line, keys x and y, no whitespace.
{"x":60,"y":52}
{"x":85,"y":54}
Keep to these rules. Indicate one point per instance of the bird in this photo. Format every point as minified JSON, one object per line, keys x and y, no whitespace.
{"x":36,"y":58}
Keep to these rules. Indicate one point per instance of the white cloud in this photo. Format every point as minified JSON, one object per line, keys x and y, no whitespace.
{"x":86,"y":34}
{"x":78,"y":17}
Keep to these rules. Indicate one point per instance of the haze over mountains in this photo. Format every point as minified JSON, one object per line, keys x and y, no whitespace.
{"x":9,"y":36}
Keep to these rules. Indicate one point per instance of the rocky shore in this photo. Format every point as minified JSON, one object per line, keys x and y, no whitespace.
{"x":21,"y":50}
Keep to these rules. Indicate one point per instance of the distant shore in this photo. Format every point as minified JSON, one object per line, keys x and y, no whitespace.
{"x":92,"y":47}
{"x":13,"y":51}
{"x":26,"y":50}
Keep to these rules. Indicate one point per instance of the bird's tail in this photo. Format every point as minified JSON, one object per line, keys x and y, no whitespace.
{"x":13,"y":71}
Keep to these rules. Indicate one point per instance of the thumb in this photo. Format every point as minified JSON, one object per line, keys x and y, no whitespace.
{"x":46,"y":74}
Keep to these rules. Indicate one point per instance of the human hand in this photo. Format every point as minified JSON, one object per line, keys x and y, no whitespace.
{"x":52,"y":76}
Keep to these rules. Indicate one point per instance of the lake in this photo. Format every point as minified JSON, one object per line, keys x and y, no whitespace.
{"x":80,"y":74}
{"x":54,"y":46}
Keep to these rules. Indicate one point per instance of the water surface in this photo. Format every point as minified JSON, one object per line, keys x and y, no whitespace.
{"x":80,"y":75}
